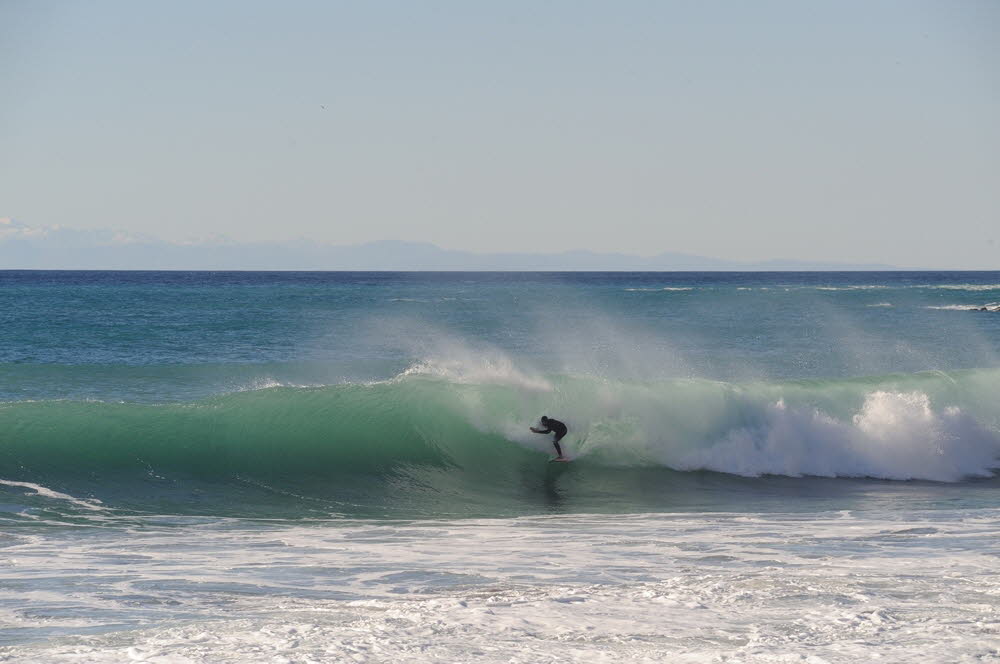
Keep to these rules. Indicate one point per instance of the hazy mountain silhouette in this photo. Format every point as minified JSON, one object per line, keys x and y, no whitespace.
{"x":26,"y":247}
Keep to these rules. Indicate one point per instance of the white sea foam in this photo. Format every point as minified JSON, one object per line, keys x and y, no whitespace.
{"x":268,"y":383}
{"x":852,"y":287}
{"x":837,"y":587}
{"x":865,"y":287}
{"x":656,"y":290}
{"x":90,"y":504}
{"x":941,"y":430}
{"x":989,"y":306}
{"x":264,"y":383}
{"x":886,"y":432}
{"x":895,"y":436}
{"x":963,"y":287}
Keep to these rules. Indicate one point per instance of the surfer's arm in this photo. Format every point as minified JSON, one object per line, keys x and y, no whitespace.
{"x":540,"y":430}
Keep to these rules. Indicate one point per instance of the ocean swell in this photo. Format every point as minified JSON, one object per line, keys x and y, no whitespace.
{"x":932,"y":426}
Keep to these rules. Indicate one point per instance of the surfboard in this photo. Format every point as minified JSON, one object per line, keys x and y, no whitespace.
{"x":563,"y":460}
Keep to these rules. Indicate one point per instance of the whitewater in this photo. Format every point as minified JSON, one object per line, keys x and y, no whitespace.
{"x":312,"y":467}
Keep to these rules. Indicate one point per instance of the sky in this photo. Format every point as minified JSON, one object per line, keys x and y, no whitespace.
{"x":848,"y":130}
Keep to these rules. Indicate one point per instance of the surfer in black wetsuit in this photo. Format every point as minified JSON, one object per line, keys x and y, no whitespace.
{"x":556,"y":427}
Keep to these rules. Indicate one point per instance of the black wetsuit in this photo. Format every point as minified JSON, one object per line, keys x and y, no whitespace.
{"x":556,"y":427}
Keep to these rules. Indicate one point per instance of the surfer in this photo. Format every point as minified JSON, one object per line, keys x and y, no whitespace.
{"x":556,"y":427}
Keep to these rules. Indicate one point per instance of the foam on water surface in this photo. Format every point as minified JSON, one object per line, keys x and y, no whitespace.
{"x":37,"y":489}
{"x":831,"y":587}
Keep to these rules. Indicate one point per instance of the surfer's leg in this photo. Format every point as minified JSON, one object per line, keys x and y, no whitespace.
{"x":558,"y":449}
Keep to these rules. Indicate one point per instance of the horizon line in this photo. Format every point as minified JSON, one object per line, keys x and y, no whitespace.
{"x":451,"y":271}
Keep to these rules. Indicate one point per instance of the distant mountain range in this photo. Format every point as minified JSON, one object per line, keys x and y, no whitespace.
{"x":27,"y":247}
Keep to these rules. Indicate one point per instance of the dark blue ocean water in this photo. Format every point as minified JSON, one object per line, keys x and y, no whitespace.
{"x":174,"y":335}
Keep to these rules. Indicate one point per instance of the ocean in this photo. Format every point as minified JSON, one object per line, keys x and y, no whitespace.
{"x":332,"y":466}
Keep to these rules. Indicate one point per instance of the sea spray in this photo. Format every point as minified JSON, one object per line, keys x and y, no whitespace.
{"x":894,"y":436}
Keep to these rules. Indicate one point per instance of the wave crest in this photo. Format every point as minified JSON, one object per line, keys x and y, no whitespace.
{"x":437,"y":425}
{"x":895,"y":435}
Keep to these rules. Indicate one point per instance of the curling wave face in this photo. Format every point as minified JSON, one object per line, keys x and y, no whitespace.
{"x":455,"y":440}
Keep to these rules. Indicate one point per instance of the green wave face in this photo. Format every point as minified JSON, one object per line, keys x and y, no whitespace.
{"x":423,"y":444}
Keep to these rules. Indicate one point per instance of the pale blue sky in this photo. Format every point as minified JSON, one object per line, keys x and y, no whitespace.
{"x":861,"y":131}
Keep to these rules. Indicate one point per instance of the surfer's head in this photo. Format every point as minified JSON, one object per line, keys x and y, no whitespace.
{"x":544,"y":419}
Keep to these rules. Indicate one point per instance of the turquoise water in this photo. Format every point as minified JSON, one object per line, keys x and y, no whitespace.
{"x":296,"y":467}
{"x":388,"y":394}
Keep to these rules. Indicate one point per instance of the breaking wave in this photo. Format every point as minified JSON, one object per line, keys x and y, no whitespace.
{"x":472,"y":422}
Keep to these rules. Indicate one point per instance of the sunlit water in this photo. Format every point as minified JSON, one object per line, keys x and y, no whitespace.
{"x":296,"y":467}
